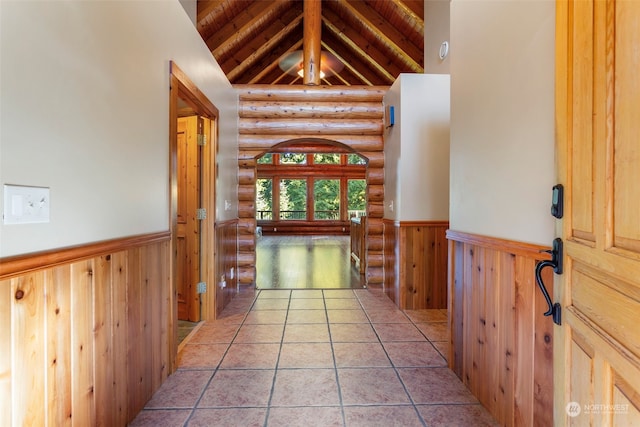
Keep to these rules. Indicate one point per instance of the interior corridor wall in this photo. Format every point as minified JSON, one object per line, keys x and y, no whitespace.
{"x":85,"y":111}
{"x":417,"y":149}
{"x":502,"y":119}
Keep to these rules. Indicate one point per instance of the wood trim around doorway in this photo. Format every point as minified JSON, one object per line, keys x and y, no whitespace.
{"x":183,"y":88}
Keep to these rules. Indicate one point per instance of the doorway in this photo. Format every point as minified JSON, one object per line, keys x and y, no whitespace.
{"x":192,"y":161}
{"x":308,"y":192}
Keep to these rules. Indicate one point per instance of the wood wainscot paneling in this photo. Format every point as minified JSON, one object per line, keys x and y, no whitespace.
{"x":501,"y":344}
{"x":87,"y":332}
{"x":226,"y":260}
{"x":417,"y":279}
{"x":349,"y":117}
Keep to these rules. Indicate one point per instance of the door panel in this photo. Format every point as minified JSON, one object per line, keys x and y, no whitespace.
{"x":188,"y":227}
{"x":597,"y":347}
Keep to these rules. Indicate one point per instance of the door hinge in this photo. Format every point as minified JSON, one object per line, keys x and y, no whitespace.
{"x":201,"y":287}
{"x":202,"y":139}
{"x":201,"y":213}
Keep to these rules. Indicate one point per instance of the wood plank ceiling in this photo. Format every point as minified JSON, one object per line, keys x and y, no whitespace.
{"x":370,"y":41}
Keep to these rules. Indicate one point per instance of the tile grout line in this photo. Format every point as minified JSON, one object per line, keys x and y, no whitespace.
{"x":335,"y":364}
{"x":275,"y":370}
{"x":217,"y":368}
{"x":395,"y":369}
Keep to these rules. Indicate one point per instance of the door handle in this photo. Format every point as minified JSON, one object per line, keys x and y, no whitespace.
{"x":556,"y":263}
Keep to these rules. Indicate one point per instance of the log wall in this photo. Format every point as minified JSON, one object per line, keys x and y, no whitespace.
{"x":501,"y":344}
{"x":87,"y":332}
{"x":270,"y":115}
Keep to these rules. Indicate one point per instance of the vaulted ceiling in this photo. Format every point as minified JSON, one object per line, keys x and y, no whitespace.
{"x":369,"y":41}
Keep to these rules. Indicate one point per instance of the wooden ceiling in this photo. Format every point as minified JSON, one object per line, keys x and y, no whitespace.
{"x":373,"y":40}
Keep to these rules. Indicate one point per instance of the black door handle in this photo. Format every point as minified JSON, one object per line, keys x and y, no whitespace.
{"x":556,"y":263}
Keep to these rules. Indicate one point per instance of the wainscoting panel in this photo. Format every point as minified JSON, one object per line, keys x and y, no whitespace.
{"x":417,"y":277}
{"x":86,"y":332}
{"x":226,"y":263}
{"x":501,"y":344}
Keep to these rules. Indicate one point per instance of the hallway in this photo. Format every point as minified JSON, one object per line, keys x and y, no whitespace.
{"x":333,"y":357}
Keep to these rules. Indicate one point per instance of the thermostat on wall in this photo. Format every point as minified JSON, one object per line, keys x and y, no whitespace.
{"x":390,"y":116}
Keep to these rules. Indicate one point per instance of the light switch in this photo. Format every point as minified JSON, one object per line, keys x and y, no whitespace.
{"x":25,"y":204}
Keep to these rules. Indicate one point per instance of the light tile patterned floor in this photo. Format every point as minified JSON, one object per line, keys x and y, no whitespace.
{"x":315,"y":358}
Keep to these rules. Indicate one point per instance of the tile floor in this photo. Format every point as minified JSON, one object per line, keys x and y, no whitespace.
{"x":315,"y":358}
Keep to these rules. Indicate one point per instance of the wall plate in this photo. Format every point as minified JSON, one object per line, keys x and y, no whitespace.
{"x":25,"y":204}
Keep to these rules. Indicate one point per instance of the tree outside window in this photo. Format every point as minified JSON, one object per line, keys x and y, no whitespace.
{"x":293,"y":199}
{"x":326,"y":196}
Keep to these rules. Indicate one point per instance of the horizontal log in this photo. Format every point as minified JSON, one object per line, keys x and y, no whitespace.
{"x":246,"y":275}
{"x":375,"y":227}
{"x":375,"y":261}
{"x":310,"y":126}
{"x":375,"y":176}
{"x":261,"y":143}
{"x":375,"y":276}
{"x":305,"y":93}
{"x":247,"y":209}
{"x":246,"y":226}
{"x":375,"y":159}
{"x":246,"y":241}
{"x":375,"y":210}
{"x":246,"y":259}
{"x":310,"y":110}
{"x":247,"y":193}
{"x":374,"y":243}
{"x":375,"y":192}
{"x":247,"y":176}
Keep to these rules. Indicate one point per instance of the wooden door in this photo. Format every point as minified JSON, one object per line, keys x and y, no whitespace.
{"x":597,"y":347}
{"x":188,"y":227}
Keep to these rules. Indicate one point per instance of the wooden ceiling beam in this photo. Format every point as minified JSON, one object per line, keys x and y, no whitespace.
{"x":264,"y":49}
{"x":357,"y":50}
{"x":230,"y":29}
{"x":273,"y":65}
{"x":348,"y":65}
{"x":357,"y":70}
{"x":248,"y":29}
{"x":312,"y":11}
{"x":402,"y":18}
{"x":361,"y":41}
{"x":416,"y":6}
{"x":364,"y":19}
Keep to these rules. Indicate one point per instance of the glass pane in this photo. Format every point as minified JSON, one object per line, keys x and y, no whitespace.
{"x":264,"y":199}
{"x":266,"y":159}
{"x":293,"y":199}
{"x":354,"y":159}
{"x":357,"y":197}
{"x":293,"y":158}
{"x":326,"y":159}
{"x":326,"y":194}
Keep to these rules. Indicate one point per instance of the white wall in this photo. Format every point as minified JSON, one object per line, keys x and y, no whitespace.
{"x":417,"y":149}
{"x":392,"y":151}
{"x":436,"y":31}
{"x":502,"y":118}
{"x":85,"y":111}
